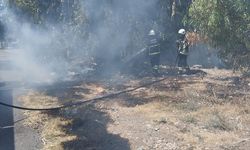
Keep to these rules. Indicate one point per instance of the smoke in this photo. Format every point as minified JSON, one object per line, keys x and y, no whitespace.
{"x":119,"y":28}
{"x":205,"y":55}
{"x":91,"y":31}
{"x":31,"y":48}
{"x":79,"y":36}
{"x":30,"y":58}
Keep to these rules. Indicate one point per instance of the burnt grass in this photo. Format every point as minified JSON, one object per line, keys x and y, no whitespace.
{"x":89,"y":123}
{"x":90,"y":127}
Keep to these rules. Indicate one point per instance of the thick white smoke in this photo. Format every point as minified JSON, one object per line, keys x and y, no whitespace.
{"x":91,"y":32}
{"x":30,"y":51}
{"x":100,"y":29}
{"x":53,"y":51}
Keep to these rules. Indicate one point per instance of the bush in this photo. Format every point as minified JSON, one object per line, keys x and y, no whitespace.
{"x":226,"y":24}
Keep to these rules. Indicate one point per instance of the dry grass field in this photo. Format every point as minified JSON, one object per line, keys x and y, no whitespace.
{"x":185,"y":112}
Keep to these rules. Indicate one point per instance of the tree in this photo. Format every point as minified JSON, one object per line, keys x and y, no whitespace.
{"x":226,"y":23}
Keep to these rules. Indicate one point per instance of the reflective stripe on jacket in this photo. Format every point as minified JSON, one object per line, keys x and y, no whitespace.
{"x":153,"y":47}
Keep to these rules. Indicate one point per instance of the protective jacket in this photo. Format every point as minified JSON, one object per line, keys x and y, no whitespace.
{"x":182,"y":46}
{"x":153,"y":46}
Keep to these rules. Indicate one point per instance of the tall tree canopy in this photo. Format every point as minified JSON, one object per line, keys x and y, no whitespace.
{"x":226,"y":23}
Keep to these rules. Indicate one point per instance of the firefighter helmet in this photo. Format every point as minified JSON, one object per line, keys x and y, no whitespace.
{"x":151,"y":32}
{"x":182,"y":31}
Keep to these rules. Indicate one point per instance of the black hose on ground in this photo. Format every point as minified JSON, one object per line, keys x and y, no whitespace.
{"x":12,"y":126}
{"x":82,"y":101}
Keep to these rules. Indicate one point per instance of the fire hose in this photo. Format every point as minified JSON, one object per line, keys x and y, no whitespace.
{"x":12,"y":126}
{"x":110,"y":95}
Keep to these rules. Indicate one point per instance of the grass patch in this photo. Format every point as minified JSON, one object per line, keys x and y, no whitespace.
{"x":189,"y":119}
{"x":162,"y":120}
{"x":219,"y":121}
{"x":188,"y":106}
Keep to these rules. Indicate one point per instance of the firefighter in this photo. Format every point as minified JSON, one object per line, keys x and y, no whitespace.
{"x":2,"y":35}
{"x":154,"y":51}
{"x":182,"y":50}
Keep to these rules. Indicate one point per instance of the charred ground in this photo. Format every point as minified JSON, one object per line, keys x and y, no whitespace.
{"x":181,"y":112}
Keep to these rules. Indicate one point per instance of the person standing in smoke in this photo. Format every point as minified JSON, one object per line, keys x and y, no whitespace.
{"x":2,"y":35}
{"x":154,"y":51}
{"x":182,"y":50}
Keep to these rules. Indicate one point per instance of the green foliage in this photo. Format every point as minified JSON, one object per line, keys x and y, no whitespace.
{"x":226,"y":23}
{"x":37,"y":11}
{"x":29,"y":7}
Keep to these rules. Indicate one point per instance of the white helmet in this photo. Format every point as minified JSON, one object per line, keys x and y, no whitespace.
{"x":152,"y":32}
{"x":182,"y":31}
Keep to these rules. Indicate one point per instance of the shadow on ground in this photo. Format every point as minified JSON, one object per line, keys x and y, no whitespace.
{"x":89,"y":125}
{"x":63,"y":90}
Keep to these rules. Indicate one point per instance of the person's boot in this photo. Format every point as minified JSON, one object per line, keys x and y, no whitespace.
{"x":180,"y":71}
{"x":156,"y":71}
{"x":187,"y":70}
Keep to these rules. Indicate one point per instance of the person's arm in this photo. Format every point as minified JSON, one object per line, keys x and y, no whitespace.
{"x":186,"y":43}
{"x":178,"y":45}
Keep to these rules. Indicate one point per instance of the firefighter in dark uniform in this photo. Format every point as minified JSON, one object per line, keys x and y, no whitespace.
{"x":182,"y":50}
{"x":154,"y":51}
{"x":2,"y":35}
